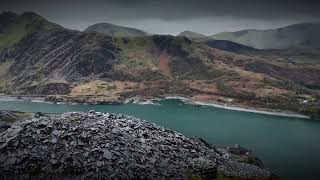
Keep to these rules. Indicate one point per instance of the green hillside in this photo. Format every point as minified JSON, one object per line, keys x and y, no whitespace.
{"x":14,"y":27}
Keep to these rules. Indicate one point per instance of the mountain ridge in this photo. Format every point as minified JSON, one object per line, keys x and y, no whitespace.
{"x":191,"y":34}
{"x":301,"y":35}
{"x":116,"y":30}
{"x":219,"y":44}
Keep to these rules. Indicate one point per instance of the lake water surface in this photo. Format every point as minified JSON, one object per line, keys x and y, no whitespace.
{"x":290,"y":147}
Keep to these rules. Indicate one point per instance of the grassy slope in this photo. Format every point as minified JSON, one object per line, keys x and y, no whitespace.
{"x":13,"y":33}
{"x":20,"y":26}
{"x":134,"y":47}
{"x":136,"y":57}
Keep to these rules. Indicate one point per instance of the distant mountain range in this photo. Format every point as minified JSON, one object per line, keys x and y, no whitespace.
{"x":115,"y":30}
{"x":304,"y":35}
{"x":219,"y":44}
{"x":38,"y":57}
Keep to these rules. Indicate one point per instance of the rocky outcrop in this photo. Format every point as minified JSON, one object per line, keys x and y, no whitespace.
{"x":4,"y":126}
{"x":61,"y":54}
{"x":108,"y":146}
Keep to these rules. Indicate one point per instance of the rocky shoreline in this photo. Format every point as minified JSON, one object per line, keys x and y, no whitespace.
{"x":152,"y":100}
{"x":110,"y":146}
{"x":88,"y":100}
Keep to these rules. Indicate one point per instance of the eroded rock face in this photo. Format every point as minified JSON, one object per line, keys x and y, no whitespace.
{"x":68,"y":53}
{"x":108,"y":146}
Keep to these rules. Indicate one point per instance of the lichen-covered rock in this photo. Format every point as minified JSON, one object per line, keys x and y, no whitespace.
{"x":109,"y":146}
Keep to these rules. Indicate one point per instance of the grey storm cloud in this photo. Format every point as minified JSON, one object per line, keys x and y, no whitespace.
{"x":172,"y":16}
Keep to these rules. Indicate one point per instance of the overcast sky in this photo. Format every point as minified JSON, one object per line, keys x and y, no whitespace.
{"x":172,"y":16}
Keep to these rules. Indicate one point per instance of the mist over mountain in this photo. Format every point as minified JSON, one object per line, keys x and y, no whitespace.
{"x":304,"y":35}
{"x":172,"y":16}
{"x":219,"y":44}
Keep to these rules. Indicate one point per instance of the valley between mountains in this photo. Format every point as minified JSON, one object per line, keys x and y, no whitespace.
{"x":41,"y":58}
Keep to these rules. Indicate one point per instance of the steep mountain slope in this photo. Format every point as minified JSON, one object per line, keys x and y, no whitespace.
{"x":92,"y":67}
{"x":304,"y":35}
{"x":47,"y":56}
{"x":115,"y":30}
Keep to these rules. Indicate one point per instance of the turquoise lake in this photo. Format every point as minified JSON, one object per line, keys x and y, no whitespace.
{"x":290,"y":147}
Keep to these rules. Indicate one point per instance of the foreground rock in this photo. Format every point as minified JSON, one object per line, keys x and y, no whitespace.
{"x":108,"y":146}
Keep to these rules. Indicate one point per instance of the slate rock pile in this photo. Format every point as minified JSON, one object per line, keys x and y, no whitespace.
{"x":108,"y":146}
{"x":4,"y":126}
